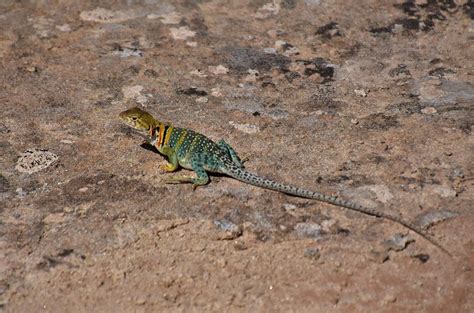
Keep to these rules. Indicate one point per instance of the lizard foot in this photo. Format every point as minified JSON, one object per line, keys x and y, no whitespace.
{"x":168,"y":167}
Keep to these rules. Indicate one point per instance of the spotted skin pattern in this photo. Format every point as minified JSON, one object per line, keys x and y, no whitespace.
{"x":194,"y":151}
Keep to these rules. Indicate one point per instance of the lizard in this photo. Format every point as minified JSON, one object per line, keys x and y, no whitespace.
{"x":191,"y":150}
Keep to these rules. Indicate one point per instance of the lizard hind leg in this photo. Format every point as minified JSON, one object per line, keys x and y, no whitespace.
{"x":201,"y":179}
{"x":231,"y":152}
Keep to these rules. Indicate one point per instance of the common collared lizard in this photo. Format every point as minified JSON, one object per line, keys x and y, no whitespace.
{"x":194,"y":151}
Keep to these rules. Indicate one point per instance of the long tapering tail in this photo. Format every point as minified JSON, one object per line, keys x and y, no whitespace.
{"x":253,"y":179}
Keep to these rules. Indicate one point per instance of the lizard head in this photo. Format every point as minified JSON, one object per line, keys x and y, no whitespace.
{"x":138,"y":119}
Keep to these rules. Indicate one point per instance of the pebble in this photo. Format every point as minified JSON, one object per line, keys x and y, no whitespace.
{"x":270,"y":50}
{"x":246,"y":128}
{"x":218,"y":70}
{"x":202,"y":99}
{"x":429,"y":110}
{"x":216,"y":92}
{"x":397,"y":242}
{"x":312,"y":253}
{"x":232,"y":230}
{"x":182,"y":33}
{"x":308,"y":230}
{"x":360,"y":92}
{"x":64,"y":27}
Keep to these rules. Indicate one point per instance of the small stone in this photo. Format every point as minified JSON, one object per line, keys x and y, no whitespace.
{"x":422,"y":257}
{"x":246,"y":128}
{"x":289,"y":207}
{"x":67,"y":141}
{"x":270,"y":50}
{"x":182,"y":33}
{"x":202,"y":99}
{"x":216,"y":92}
{"x":20,"y":192}
{"x":191,"y":44}
{"x":360,"y":92}
{"x":354,"y":121}
{"x":312,"y":253}
{"x":429,"y":110}
{"x":64,"y":27}
{"x":218,"y":70}
{"x":83,"y":189}
{"x":140,"y":300}
{"x":31,"y":69}
{"x":330,"y":226}
{"x":308,"y":230}
{"x":389,"y":299}
{"x":398,"y":242}
{"x":232,"y":230}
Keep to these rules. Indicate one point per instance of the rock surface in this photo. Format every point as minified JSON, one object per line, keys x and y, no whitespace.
{"x":371,"y":100}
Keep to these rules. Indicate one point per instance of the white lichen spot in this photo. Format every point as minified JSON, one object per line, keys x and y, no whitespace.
{"x":202,"y":100}
{"x":360,"y":92}
{"x":252,"y":76}
{"x":153,"y":16}
{"x":216,"y":92}
{"x":127,"y":52}
{"x":134,"y":93}
{"x":429,"y":110}
{"x":101,"y":15}
{"x":218,"y":70}
{"x":270,"y":50}
{"x":268,"y":10}
{"x":246,"y":128}
{"x":182,"y":33}
{"x":35,"y":160}
{"x":64,"y":27}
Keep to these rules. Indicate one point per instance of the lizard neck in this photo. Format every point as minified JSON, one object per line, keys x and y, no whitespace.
{"x":161,"y":134}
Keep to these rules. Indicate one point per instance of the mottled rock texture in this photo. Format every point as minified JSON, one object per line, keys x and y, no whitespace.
{"x":372,"y":100}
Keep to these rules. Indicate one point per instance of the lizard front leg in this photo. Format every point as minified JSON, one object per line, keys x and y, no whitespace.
{"x":172,"y":164}
{"x":201,"y":179}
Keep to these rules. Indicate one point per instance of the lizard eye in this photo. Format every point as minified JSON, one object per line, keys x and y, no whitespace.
{"x":134,"y":118}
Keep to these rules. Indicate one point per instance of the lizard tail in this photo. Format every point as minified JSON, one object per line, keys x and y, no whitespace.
{"x":253,"y":179}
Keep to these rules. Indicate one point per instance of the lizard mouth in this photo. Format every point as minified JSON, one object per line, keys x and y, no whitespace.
{"x":130,"y":131}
